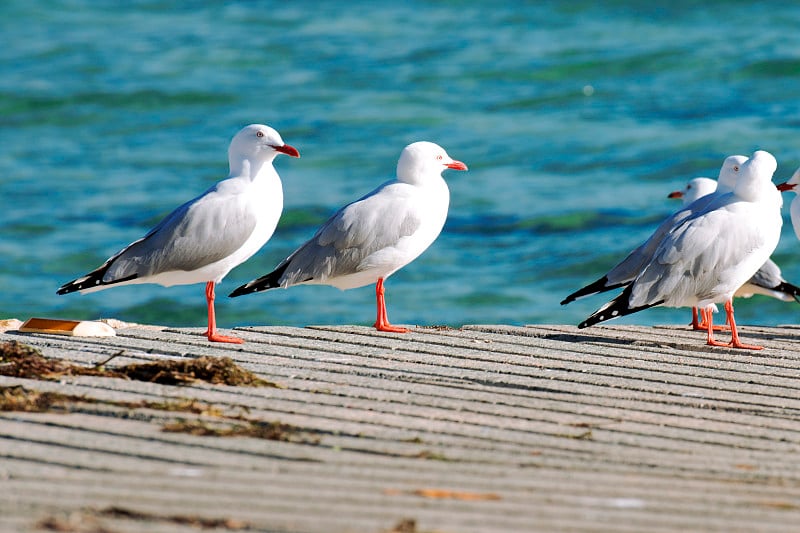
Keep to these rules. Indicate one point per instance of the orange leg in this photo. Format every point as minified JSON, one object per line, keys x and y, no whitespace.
{"x":382,"y":322}
{"x":211,"y":332}
{"x":702,"y":324}
{"x":735,"y":342}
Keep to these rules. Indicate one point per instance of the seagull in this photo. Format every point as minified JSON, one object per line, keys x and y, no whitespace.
{"x":794,"y":208}
{"x":205,"y":238}
{"x":768,"y":281}
{"x":696,"y":188}
{"x":706,"y":257}
{"x":626,"y":270}
{"x":368,"y":240}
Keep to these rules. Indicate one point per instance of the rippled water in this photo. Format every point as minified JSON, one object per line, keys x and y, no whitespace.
{"x":575,"y":120}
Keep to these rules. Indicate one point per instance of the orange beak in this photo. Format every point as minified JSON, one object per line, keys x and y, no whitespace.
{"x":457,"y":165}
{"x":287,"y":149}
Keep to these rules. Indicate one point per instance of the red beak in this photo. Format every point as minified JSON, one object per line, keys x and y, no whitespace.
{"x":675,"y":194}
{"x":288,"y":150}
{"x":456,"y":165}
{"x":786,"y":186}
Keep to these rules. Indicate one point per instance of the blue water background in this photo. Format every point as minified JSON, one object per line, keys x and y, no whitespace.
{"x":575,"y":118}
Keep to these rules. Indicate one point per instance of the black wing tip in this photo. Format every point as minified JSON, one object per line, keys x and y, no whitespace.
{"x":94,"y":279}
{"x":265,"y":282}
{"x":242,"y":290}
{"x":605,"y":313}
{"x":787,"y":288}
{"x":257,"y":285}
{"x":601,"y":315}
{"x":73,"y":286}
{"x":615,"y":308}
{"x":601,"y":285}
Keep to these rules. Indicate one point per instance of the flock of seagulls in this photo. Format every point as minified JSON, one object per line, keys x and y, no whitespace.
{"x":716,"y":247}
{"x":768,"y":281}
{"x":365,"y":242}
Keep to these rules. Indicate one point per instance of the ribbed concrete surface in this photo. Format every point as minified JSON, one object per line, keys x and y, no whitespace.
{"x":487,"y":428}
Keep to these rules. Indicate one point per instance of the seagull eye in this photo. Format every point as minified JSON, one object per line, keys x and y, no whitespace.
{"x":259,"y":133}
{"x":736,"y":168}
{"x":439,"y":157}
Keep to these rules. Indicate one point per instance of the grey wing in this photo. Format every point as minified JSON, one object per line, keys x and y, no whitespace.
{"x":768,"y":276}
{"x":769,"y":282}
{"x":198,"y":233}
{"x":690,"y":261}
{"x":626,"y":270}
{"x":344,"y":243}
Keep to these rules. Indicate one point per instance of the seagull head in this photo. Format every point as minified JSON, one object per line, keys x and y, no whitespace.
{"x":696,"y":188}
{"x":258,"y":142}
{"x":764,"y":161}
{"x":754,"y":175}
{"x":422,"y":160}
{"x":729,"y":172}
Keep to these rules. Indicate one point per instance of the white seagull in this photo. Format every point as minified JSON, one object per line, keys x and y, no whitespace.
{"x":696,"y":188}
{"x":624,"y":272}
{"x":202,"y":240}
{"x":768,"y":281}
{"x":368,"y":240}
{"x":794,"y":208}
{"x":708,"y":256}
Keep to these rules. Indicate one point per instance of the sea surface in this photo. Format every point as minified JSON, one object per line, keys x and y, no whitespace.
{"x":576,"y":120}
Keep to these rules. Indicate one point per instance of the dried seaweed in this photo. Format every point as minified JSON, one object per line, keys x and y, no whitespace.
{"x":214,"y":370}
{"x":258,"y":429}
{"x":406,"y":525}
{"x":87,"y":521}
{"x":18,"y":398}
{"x":187,"y":520}
{"x":22,"y":361}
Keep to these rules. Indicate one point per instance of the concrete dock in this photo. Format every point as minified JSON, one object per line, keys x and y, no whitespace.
{"x":480,"y":429}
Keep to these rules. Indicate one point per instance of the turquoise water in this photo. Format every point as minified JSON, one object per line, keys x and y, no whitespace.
{"x":576,"y":119}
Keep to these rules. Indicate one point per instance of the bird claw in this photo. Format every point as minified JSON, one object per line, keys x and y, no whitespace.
{"x":216,"y":337}
{"x":702,"y":326}
{"x":745,"y":346}
{"x":390,"y":328}
{"x":733,"y":344}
